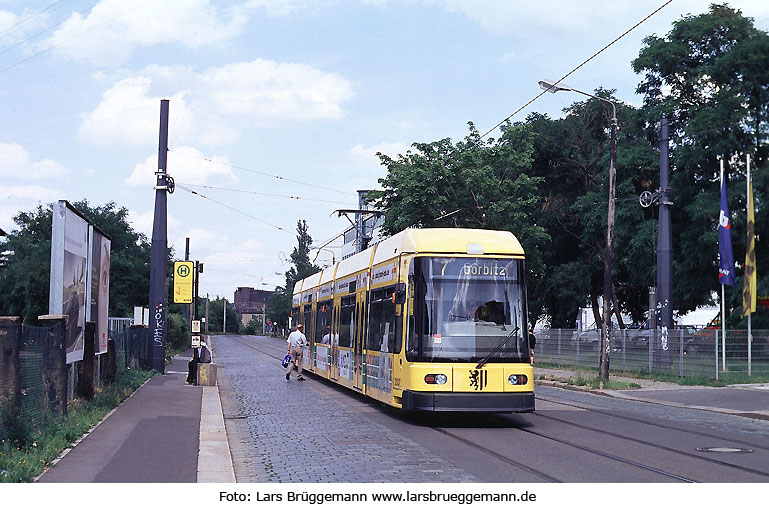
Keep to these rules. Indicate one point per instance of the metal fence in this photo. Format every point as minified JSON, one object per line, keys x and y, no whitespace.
{"x":130,"y":343}
{"x":36,"y":381}
{"x":683,"y":353}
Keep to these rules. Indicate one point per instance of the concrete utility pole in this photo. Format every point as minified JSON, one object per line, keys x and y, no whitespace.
{"x":206,"y":313}
{"x":608,"y":258}
{"x":664,"y":251}
{"x":224,"y":315}
{"x":159,"y":254}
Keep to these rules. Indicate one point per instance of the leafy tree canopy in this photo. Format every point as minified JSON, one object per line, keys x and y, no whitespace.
{"x":710,"y":76}
{"x":25,"y":273}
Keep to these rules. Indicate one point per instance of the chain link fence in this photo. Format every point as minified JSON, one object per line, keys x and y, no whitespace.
{"x":704,"y":353}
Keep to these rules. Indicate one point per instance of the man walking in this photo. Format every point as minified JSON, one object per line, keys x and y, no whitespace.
{"x":296,"y":341}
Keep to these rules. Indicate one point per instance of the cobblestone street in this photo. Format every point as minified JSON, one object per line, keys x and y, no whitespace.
{"x":281,"y":431}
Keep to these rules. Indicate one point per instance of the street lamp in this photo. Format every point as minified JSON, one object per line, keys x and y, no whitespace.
{"x":608,"y":259}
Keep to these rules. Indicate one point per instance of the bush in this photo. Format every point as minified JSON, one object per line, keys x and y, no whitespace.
{"x":254,"y":326}
{"x":179,"y":335}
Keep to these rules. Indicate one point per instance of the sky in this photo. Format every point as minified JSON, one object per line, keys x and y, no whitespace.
{"x":278,"y":107}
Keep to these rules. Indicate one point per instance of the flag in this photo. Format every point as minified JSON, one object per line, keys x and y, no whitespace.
{"x":749,"y":284}
{"x":725,"y":253}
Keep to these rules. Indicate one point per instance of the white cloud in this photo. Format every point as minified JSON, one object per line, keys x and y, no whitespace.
{"x":17,"y":164}
{"x":268,"y":90}
{"x":185,"y":165}
{"x":143,"y":221}
{"x":18,"y":27}
{"x":555,"y":18}
{"x":285,"y":8}
{"x":111,"y":31}
{"x":14,"y":199}
{"x":216,"y":104}
{"x":371,"y":168}
{"x":129,"y":114}
{"x":369,"y":154}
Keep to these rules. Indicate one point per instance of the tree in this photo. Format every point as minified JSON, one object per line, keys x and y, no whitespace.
{"x":300,"y":257}
{"x":473,"y":184}
{"x":25,"y":274}
{"x":254,"y":326}
{"x":216,"y":310}
{"x":279,"y":307}
{"x":572,"y":156}
{"x":710,"y":76}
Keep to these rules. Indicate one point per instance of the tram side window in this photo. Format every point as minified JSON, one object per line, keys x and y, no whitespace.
{"x":295,"y":316}
{"x":346,"y":321}
{"x":307,"y":318}
{"x":323,"y":322}
{"x":419,"y":323}
{"x":382,"y":326}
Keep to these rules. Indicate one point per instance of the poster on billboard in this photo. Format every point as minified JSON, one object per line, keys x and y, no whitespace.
{"x":98,"y":287}
{"x":69,"y":268}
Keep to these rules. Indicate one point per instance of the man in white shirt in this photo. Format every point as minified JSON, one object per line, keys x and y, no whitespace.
{"x":296,"y":341}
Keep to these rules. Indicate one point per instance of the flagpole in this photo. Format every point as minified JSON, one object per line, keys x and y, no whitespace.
{"x":748,"y":205}
{"x":723,"y":302}
{"x":723,"y":329}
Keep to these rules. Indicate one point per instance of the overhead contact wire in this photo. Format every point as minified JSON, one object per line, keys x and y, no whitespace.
{"x":232,"y":208}
{"x":264,"y":194}
{"x":578,"y":67}
{"x":278,"y":177}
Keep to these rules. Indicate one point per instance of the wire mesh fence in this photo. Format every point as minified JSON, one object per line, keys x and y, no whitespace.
{"x":35,"y":379}
{"x":130,"y":343}
{"x":704,"y":353}
{"x":34,"y":385}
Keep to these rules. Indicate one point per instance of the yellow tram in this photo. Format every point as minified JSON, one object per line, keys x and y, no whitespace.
{"x":426,"y":320}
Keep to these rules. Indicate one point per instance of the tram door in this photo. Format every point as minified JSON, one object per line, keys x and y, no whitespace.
{"x":308,"y":360}
{"x":359,"y":361}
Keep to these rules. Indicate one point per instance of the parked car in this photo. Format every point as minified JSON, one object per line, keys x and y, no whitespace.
{"x":701,"y":341}
{"x":639,"y":338}
{"x":587,"y":339}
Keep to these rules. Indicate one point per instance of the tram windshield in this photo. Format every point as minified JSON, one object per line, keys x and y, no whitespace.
{"x":468,"y":310}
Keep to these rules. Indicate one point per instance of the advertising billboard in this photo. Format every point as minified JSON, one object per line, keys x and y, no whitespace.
{"x":69,"y":259}
{"x":98,"y":288}
{"x":79,"y":284}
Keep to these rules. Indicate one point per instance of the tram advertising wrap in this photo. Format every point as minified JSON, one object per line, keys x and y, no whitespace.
{"x":426,"y":320}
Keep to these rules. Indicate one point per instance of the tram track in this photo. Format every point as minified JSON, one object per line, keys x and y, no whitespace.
{"x":275,"y":353}
{"x":567,"y":443}
{"x":503,"y":458}
{"x":667,"y":426}
{"x":677,"y":451}
{"x":645,"y":443}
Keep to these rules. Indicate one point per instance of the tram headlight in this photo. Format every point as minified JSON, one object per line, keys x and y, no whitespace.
{"x":436,"y":379}
{"x":517,"y":379}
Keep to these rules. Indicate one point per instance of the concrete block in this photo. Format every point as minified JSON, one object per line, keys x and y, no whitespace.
{"x":206,"y":374}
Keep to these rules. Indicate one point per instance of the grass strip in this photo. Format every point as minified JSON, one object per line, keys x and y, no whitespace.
{"x":24,"y":458}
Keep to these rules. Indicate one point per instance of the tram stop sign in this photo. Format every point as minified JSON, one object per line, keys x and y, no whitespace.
{"x":183,"y":279}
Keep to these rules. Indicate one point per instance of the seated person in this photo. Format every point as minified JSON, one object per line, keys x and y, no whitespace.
{"x":192,"y":367}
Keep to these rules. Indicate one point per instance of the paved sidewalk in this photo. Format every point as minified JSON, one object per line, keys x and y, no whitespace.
{"x":167,"y":431}
{"x":746,"y":400}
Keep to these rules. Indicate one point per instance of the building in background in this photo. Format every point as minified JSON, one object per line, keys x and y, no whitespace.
{"x":250,"y":303}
